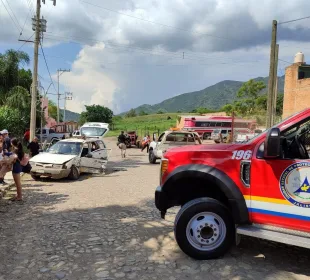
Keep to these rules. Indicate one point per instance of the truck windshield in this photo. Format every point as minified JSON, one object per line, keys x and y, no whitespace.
{"x":93,"y":131}
{"x":66,"y":148}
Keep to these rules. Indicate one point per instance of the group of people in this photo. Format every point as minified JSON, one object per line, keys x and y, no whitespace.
{"x":122,"y":143}
{"x":11,"y":156}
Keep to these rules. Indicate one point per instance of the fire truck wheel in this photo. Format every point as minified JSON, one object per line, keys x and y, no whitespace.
{"x":152,"y":158}
{"x":204,"y":229}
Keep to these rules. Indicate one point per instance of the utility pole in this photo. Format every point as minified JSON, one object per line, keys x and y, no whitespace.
{"x":59,"y":73}
{"x":33,"y":112}
{"x":68,"y":96}
{"x":272,"y":72}
{"x":275,"y":87}
{"x":38,"y":26}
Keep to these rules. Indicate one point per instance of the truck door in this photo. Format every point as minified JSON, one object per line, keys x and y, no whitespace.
{"x":280,"y":187}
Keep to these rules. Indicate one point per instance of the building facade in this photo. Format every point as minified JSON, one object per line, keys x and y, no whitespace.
{"x":296,"y":87}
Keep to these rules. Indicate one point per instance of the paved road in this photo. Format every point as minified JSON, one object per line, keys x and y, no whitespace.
{"x":107,"y":227}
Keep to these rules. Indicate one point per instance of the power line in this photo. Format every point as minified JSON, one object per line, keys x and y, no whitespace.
{"x":158,"y":23}
{"x":25,"y":41}
{"x":48,"y":70}
{"x":293,"y":20}
{"x":11,"y":16}
{"x":285,"y":61}
{"x":27,"y":17}
{"x":13,"y":13}
{"x":108,"y":45}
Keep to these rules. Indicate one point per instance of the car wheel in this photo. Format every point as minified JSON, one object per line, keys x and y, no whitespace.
{"x":35,"y":177}
{"x":74,"y":173}
{"x":204,"y":229}
{"x":152,"y":158}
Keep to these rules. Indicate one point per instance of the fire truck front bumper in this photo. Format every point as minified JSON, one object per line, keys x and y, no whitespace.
{"x":161,"y":201}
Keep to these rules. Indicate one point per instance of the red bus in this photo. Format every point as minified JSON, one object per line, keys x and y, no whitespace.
{"x":204,"y":125}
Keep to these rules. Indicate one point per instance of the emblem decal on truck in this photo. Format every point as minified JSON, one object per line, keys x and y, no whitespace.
{"x":294,"y":184}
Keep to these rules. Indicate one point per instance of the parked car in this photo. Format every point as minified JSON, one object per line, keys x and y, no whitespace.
{"x":94,"y":130}
{"x":244,"y":137}
{"x":70,"y":158}
{"x":76,"y":133}
{"x":216,"y":135}
{"x":170,"y":139}
{"x":49,"y":134}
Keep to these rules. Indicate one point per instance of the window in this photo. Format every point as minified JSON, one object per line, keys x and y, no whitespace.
{"x":161,"y":137}
{"x":224,"y":131}
{"x":51,"y":131}
{"x":101,"y":144}
{"x":94,"y":146}
{"x":180,"y":137}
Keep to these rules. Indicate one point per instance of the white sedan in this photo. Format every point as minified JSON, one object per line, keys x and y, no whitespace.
{"x":70,"y":158}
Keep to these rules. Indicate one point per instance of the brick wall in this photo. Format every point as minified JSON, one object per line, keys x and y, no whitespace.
{"x":296,"y":92}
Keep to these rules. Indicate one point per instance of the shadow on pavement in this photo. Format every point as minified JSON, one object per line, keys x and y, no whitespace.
{"x":82,"y":243}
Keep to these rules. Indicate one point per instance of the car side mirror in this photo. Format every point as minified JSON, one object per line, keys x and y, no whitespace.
{"x":89,"y":155}
{"x":272,"y":143}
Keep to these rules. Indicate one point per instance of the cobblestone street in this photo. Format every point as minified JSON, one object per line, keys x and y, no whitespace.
{"x":107,"y":227}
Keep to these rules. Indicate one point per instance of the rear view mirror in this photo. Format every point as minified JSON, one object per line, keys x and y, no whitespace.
{"x":272,"y":143}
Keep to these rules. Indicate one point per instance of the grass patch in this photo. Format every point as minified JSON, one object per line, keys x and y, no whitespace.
{"x":143,"y":124}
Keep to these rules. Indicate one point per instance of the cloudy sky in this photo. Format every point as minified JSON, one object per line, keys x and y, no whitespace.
{"x":124,"y":53}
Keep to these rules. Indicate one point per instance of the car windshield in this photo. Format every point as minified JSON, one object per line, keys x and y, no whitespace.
{"x":216,"y":131}
{"x":66,"y":148}
{"x":93,"y":131}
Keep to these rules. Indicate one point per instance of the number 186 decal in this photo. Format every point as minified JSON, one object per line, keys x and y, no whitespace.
{"x":241,"y":154}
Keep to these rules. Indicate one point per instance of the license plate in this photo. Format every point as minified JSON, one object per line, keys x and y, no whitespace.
{"x":40,"y":171}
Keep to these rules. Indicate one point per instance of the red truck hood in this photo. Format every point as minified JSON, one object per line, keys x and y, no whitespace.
{"x":206,"y":148}
{"x":214,"y":154}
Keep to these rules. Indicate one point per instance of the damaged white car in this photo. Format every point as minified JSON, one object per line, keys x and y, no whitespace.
{"x":70,"y":158}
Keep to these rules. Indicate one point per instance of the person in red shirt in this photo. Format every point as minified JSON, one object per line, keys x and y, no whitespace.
{"x":27,"y":136}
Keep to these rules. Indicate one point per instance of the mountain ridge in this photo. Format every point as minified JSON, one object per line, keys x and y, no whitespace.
{"x":212,"y":97}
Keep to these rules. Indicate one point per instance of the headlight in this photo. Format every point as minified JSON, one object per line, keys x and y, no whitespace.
{"x":57,"y":166}
{"x":163,"y":168}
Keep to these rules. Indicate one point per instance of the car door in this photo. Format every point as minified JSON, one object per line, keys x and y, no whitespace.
{"x":157,"y":149}
{"x":280,"y":187}
{"x":101,"y":152}
{"x":90,"y":162}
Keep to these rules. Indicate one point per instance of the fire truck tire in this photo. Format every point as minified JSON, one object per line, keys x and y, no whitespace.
{"x":204,"y":229}
{"x":152,"y":158}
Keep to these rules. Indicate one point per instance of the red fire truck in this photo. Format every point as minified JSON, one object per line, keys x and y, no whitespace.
{"x":205,"y":125}
{"x":260,"y":188}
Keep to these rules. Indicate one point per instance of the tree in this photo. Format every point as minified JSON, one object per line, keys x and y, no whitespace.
{"x":142,"y":113}
{"x":248,"y":95}
{"x":159,"y":112}
{"x":96,"y":113}
{"x":228,"y":109}
{"x":9,"y":71}
{"x":131,"y":113}
{"x":52,"y":111}
{"x":11,"y":119}
{"x":279,"y":106}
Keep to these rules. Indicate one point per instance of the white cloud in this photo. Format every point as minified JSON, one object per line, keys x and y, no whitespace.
{"x":88,"y":81}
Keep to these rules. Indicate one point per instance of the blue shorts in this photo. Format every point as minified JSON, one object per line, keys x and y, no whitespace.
{"x":17,"y":168}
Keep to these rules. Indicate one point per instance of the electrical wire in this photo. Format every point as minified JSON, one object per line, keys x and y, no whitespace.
{"x":158,"y":23}
{"x":285,"y":61}
{"x":8,"y":3}
{"x":25,"y":42}
{"x":293,"y":20}
{"x":16,"y":25}
{"x":48,"y":70}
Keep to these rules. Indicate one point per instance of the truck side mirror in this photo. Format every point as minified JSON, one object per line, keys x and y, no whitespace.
{"x":272,"y":143}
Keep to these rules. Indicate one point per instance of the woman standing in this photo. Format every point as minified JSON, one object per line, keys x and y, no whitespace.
{"x":17,"y":148}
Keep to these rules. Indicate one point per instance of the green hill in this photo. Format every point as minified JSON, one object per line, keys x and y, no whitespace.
{"x":213,"y":97}
{"x":72,"y":116}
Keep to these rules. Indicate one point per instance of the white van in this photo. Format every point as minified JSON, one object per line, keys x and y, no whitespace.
{"x":95,"y":130}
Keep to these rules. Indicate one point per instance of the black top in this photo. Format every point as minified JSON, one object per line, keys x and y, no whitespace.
{"x":8,"y":144}
{"x":121,"y":138}
{"x":34,"y":148}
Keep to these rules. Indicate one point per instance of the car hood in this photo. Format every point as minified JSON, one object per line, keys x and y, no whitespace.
{"x":52,"y":158}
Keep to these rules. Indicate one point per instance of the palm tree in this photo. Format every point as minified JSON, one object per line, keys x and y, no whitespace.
{"x":9,"y":70}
